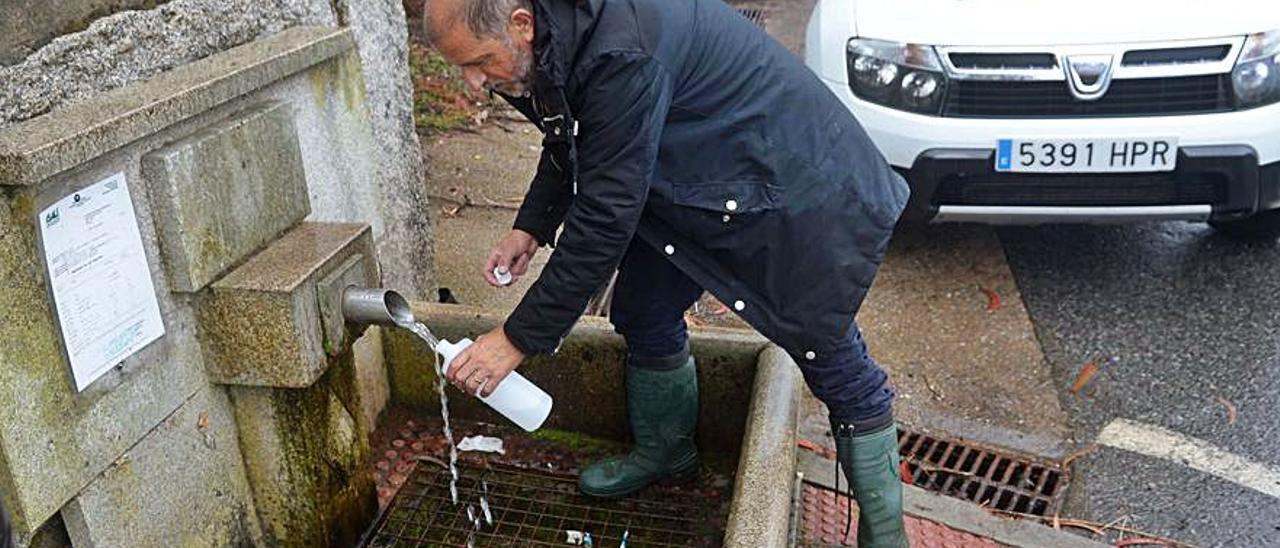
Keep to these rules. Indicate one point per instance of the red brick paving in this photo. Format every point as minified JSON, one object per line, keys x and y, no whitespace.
{"x":825,"y":515}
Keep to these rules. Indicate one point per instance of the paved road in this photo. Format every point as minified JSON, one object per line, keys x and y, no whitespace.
{"x":1182,"y":318}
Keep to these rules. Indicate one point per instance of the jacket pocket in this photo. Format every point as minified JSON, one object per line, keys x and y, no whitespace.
{"x":726,"y":197}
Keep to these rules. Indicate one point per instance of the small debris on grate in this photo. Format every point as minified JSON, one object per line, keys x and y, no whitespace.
{"x":534,"y":508}
{"x":991,"y":478}
{"x":534,"y":482}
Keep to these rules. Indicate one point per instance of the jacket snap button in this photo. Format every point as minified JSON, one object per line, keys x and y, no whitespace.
{"x":555,"y":131}
{"x":739,"y":305}
{"x":726,"y":218}
{"x":731,"y":205}
{"x":670,"y":249}
{"x":810,"y":355}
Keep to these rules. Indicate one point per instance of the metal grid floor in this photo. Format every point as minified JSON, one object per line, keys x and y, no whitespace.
{"x":531,"y":508}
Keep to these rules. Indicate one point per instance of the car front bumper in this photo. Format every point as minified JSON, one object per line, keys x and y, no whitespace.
{"x":1228,"y":166}
{"x":1219,"y":183}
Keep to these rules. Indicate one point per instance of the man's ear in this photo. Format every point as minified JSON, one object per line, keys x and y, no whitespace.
{"x":522,"y":24}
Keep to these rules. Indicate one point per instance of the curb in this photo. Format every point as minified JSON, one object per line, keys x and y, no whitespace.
{"x":761,"y":511}
{"x":956,"y":514}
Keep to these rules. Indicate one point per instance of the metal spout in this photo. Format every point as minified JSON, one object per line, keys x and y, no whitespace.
{"x":375,"y":305}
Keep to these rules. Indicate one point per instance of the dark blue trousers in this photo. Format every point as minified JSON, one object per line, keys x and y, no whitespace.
{"x":649,"y":302}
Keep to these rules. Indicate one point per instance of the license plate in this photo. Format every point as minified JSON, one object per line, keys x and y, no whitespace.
{"x":1086,"y":155}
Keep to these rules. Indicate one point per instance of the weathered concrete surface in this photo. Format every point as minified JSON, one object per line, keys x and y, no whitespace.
{"x":134,"y":46}
{"x":490,"y":167}
{"x":586,"y":377}
{"x":70,"y":136}
{"x":405,"y":239}
{"x":54,"y":441}
{"x":371,"y":377}
{"x":224,"y":192}
{"x":26,"y":25}
{"x":305,"y":453}
{"x":189,"y":466}
{"x":260,"y":324}
{"x":354,"y":271}
{"x":927,"y":320}
{"x":766,"y":471}
{"x":954,"y":513}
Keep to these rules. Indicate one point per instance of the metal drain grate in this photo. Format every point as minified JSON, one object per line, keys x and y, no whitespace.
{"x":755,"y":15}
{"x":533,"y":509}
{"x":989,"y":478}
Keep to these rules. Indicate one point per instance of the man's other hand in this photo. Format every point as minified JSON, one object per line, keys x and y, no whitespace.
{"x":482,"y":366}
{"x":512,"y":253}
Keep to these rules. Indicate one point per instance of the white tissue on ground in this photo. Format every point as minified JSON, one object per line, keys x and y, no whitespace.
{"x":483,"y":444}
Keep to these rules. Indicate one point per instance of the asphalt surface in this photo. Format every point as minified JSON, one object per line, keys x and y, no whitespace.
{"x":1185,"y":324}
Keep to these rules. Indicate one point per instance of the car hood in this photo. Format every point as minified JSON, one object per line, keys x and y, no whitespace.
{"x":1043,"y":22}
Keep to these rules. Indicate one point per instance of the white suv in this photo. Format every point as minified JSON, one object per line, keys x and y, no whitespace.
{"x":1020,"y":111}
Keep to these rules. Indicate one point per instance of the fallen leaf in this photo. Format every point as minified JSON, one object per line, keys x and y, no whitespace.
{"x":1086,"y":374}
{"x":202,"y":421}
{"x":993,"y":298}
{"x":1231,"y":409}
{"x":1066,"y":462}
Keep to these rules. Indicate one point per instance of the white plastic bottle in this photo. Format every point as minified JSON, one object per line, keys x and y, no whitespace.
{"x":516,"y":398}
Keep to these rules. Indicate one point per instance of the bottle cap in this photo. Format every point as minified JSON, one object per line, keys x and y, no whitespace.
{"x":503,"y":276}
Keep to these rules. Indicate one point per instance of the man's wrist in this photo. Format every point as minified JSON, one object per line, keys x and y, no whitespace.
{"x":517,"y":341}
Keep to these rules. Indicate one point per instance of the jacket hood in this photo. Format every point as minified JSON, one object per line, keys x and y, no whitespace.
{"x":560,"y":29}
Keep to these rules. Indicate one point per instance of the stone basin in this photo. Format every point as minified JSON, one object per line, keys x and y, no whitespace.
{"x":748,"y":402}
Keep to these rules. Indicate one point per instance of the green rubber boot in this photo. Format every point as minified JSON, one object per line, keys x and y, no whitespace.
{"x":871,"y":464}
{"x":663,"y":409}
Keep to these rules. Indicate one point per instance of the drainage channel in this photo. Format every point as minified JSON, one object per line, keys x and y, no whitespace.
{"x":988,"y":477}
{"x":991,"y":478}
{"x":755,"y":15}
{"x":532,"y":508}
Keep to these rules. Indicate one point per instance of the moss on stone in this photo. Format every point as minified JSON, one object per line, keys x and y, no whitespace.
{"x":575,"y":440}
{"x":306,"y":496}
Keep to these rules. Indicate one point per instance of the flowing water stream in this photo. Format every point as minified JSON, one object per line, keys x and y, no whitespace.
{"x":476,"y":518}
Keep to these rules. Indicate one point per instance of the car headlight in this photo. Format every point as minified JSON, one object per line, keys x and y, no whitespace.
{"x":1256,"y":78}
{"x":902,"y":76}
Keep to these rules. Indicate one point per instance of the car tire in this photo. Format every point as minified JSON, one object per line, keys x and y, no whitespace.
{"x":1264,"y":225}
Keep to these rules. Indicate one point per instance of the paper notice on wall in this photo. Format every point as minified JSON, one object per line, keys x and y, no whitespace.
{"x":102,"y":289}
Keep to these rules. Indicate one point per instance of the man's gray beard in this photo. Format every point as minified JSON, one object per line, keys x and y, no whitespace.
{"x":523,"y":81}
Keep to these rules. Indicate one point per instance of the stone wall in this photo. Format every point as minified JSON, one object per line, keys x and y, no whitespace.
{"x":27,"y":25}
{"x":101,"y":100}
{"x":132,"y":46}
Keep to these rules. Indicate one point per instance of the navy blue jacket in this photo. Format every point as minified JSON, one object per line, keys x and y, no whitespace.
{"x":682,"y":123}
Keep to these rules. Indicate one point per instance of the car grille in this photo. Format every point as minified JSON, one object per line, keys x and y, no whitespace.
{"x":1128,"y":189}
{"x":1125,"y":97}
